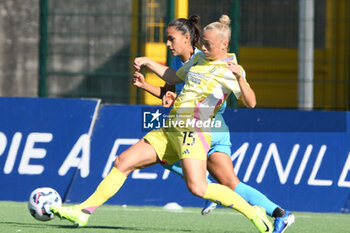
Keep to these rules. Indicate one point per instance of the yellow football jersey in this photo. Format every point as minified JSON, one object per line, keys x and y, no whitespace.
{"x":207,"y":85}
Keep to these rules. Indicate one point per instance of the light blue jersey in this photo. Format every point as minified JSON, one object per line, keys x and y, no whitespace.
{"x":220,"y":141}
{"x":177,"y":64}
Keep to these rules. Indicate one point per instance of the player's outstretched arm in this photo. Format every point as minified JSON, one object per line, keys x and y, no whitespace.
{"x":139,"y":81}
{"x":166,"y":73}
{"x":158,"y":92}
{"x":247,"y":94}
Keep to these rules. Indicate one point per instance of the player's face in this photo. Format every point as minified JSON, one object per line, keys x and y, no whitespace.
{"x":176,"y":41}
{"x":213,"y":47}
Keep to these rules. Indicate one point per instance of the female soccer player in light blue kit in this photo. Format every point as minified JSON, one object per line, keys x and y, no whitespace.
{"x":182,"y":41}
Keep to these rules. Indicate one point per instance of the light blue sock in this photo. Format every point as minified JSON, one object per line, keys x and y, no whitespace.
{"x":177,"y":169}
{"x":254,"y":197}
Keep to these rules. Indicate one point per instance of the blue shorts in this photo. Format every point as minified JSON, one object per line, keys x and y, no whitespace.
{"x":220,"y":139}
{"x":220,"y":142}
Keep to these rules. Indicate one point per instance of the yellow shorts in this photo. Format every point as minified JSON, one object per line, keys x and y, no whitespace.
{"x":172,"y":145}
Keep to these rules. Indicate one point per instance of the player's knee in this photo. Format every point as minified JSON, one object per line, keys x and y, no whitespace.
{"x":197,"y":189}
{"x":116,"y":162}
{"x":122,"y":165}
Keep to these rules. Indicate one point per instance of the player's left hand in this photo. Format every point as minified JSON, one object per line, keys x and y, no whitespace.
{"x":168,"y":99}
{"x":235,"y":69}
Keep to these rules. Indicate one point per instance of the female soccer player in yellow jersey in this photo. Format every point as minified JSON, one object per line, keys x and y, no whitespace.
{"x":209,"y":79}
{"x":182,"y":39}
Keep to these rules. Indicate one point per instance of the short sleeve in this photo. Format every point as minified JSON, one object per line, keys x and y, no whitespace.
{"x":183,"y":71}
{"x":230,"y":82}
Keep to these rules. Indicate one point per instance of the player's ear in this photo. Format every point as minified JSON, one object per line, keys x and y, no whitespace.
{"x":225,"y":44}
{"x":187,"y":37}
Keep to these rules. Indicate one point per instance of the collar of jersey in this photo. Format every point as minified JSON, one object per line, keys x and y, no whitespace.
{"x":231,"y":57}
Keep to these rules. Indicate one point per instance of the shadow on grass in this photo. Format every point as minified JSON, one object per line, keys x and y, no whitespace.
{"x":141,"y":229}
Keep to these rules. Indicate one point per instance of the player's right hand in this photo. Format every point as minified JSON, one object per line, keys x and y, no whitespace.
{"x":139,"y":62}
{"x":138,"y":79}
{"x":168,"y":99}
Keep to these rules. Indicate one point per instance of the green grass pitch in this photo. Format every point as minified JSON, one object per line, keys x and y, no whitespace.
{"x":15,"y":217}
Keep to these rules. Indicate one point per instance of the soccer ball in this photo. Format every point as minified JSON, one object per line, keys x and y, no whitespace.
{"x":40,"y":201}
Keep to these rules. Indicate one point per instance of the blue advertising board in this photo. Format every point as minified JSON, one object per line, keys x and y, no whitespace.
{"x":38,"y":141}
{"x":297,"y":165}
{"x":298,"y":159}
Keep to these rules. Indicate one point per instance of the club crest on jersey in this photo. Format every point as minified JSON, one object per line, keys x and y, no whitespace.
{"x":215,"y":68}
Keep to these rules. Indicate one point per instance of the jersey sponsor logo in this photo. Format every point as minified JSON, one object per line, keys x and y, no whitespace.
{"x":197,"y":75}
{"x":194,"y":79}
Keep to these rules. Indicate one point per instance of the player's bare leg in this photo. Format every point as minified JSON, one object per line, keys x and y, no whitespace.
{"x":138,"y":156}
{"x":221,"y":168}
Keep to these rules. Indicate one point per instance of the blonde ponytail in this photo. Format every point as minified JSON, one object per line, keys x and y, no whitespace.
{"x":224,"y":19}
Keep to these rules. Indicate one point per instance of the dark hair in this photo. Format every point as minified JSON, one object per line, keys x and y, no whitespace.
{"x":190,"y":26}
